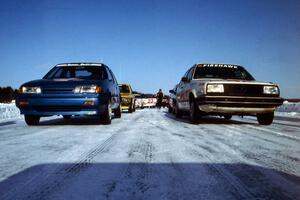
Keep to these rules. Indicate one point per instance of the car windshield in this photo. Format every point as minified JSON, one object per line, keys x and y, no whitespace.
{"x":223,"y":73}
{"x":124,"y":89}
{"x":78,"y":72}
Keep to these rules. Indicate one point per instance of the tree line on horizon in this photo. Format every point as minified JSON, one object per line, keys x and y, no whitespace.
{"x":7,"y":94}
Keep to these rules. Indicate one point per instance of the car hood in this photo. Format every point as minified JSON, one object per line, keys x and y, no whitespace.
{"x":62,"y":82}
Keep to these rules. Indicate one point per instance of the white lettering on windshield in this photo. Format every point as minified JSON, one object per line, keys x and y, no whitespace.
{"x":221,"y":65}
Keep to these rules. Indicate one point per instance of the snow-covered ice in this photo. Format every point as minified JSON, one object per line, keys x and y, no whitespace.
{"x":150,"y":155}
{"x":9,"y":112}
{"x":289,"y":107}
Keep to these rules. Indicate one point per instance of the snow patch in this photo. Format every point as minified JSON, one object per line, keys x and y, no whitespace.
{"x":9,"y":111}
{"x":292,"y":108}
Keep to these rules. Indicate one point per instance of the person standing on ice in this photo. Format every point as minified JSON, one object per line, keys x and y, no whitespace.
{"x":159,"y":96}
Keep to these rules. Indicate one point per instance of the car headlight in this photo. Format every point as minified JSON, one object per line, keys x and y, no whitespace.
{"x":31,"y":90}
{"x":271,"y":90}
{"x":218,"y":88}
{"x":87,"y":89}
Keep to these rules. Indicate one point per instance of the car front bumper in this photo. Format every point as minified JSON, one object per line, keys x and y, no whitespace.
{"x":45,"y":105}
{"x":238,"y":105}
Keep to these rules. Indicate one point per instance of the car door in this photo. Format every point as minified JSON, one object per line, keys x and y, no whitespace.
{"x":181,"y":94}
{"x":113,"y":89}
{"x":117,"y":90}
{"x":187,"y":87}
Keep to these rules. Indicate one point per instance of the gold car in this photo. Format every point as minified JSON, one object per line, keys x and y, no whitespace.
{"x":128,"y":99}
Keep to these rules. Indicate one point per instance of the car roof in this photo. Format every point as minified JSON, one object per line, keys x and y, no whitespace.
{"x":79,"y":64}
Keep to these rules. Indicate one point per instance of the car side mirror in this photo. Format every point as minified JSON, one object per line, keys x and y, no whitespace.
{"x":184,"y":79}
{"x":172,"y":92}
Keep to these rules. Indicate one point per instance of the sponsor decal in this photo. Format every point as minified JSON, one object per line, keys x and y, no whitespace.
{"x":78,"y":64}
{"x":220,"y":65}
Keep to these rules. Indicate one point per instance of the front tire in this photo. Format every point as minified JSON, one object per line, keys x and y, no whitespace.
{"x":194,"y":113}
{"x":67,"y":116}
{"x":265,"y":118}
{"x":107,"y":115}
{"x":32,"y":120}
{"x":227,"y":117}
{"x":178,"y":113}
{"x":130,"y":109}
{"x":118,"y":112}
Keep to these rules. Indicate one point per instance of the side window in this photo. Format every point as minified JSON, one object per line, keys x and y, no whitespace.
{"x":113,"y":77}
{"x":110,"y":77}
{"x":186,"y":73}
{"x":190,"y":74}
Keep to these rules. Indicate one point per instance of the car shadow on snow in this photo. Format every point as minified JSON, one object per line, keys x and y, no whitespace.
{"x":87,"y":180}
{"x":206,"y":120}
{"x":75,"y":120}
{"x":7,"y":123}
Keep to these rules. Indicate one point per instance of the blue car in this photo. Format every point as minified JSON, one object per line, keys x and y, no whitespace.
{"x":71,"y":89}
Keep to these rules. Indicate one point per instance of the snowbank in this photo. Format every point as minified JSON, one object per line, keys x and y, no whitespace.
{"x":289,"y":107}
{"x":9,"y":112}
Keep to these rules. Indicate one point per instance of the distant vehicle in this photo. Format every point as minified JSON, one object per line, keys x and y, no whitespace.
{"x":71,"y":89}
{"x":165,"y":101}
{"x":128,"y":99}
{"x":139,"y":101}
{"x":225,"y":90}
{"x":149,"y":101}
{"x":172,"y":100}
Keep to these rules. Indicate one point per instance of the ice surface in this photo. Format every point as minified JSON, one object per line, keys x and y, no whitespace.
{"x":149,"y":154}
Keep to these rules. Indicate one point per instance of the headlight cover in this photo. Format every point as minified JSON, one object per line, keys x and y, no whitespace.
{"x":31,"y":90}
{"x":215,"y":88}
{"x":91,"y":89}
{"x":271,"y":90}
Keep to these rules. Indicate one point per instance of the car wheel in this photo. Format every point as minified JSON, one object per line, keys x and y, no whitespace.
{"x":178,"y":113}
{"x":118,"y":112}
{"x":194,"y":113}
{"x":67,"y":116}
{"x":227,"y":117}
{"x":130,"y":109}
{"x":265,"y":118}
{"x":32,"y":120}
{"x":107,"y":115}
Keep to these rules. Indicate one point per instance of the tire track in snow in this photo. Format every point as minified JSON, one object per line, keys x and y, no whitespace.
{"x":270,"y":153}
{"x":133,"y":181}
{"x":181,"y":133}
{"x":55,"y":180}
{"x":217,"y":135}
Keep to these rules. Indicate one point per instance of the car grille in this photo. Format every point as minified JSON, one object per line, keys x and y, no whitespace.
{"x":58,"y":90}
{"x":243,"y":90}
